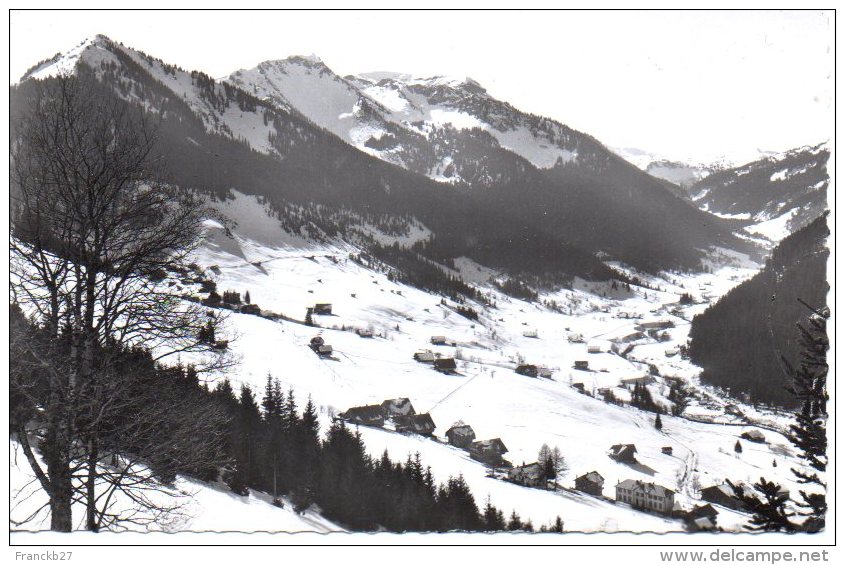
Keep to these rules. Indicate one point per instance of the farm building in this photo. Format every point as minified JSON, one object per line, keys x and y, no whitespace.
{"x":582,"y":365}
{"x":672,"y":352}
{"x":371,"y":415}
{"x":530,"y":475}
{"x":424,"y":356}
{"x":460,"y":435}
{"x":594,"y":348}
{"x":530,"y":333}
{"x":623,"y":452}
{"x":647,"y":496}
{"x":655,"y":325}
{"x":754,"y":435}
{"x":591,"y":483}
{"x":397,"y":407}
{"x":438,"y":340}
{"x":722,"y":495}
{"x":446,"y":365}
{"x":364,"y":332}
{"x":627,"y":337}
{"x":323,"y":309}
{"x":575,"y":338}
{"x":527,"y":370}
{"x":489,"y":451}
{"x":701,"y":518}
{"x":642,"y":380}
{"x":666,"y":450}
{"x":320,"y":347}
{"x":544,"y":372}
{"x":415,"y":423}
{"x":579,"y":387}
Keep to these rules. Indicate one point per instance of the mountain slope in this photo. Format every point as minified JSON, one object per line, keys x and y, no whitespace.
{"x":784,"y":192}
{"x":740,"y":340}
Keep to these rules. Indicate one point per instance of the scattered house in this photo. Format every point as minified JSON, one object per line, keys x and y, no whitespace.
{"x":319,"y":346}
{"x":754,"y":435}
{"x":426,"y":356}
{"x":655,"y":325}
{"x":530,"y":333}
{"x":446,"y":365}
{"x":489,"y":451}
{"x":582,"y":365}
{"x":438,"y":340}
{"x":701,"y":518}
{"x":527,"y":370}
{"x":722,"y":495}
{"x":672,"y":352}
{"x":646,"y":496}
{"x":460,"y":435}
{"x":594,"y":348}
{"x":397,"y":407}
{"x":643,"y":380}
{"x":364,"y":332}
{"x":531,"y":475}
{"x":544,"y":372}
{"x":253,"y":309}
{"x":628,"y":337}
{"x":575,"y":338}
{"x":323,"y":309}
{"x":623,"y":452}
{"x":591,"y":483}
{"x":371,"y":415}
{"x":666,"y":450}
{"x":415,"y":423}
{"x":324,"y":350}
{"x":579,"y":387}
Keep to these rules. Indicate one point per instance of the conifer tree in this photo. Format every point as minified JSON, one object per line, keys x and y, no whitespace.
{"x":657,"y":422}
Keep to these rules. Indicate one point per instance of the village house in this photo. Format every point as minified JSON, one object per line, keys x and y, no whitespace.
{"x":527,"y":370}
{"x":754,"y":435}
{"x":426,"y":356}
{"x":591,"y":483}
{"x":642,"y":380}
{"x":544,"y":372}
{"x":623,"y":452}
{"x":530,"y":333}
{"x":371,"y":415}
{"x":530,"y":475}
{"x":702,"y":518}
{"x":666,"y":450}
{"x":722,"y":495}
{"x":364,"y":332}
{"x":582,"y":365}
{"x":323,"y":309}
{"x":594,"y":348}
{"x":438,"y":340}
{"x":579,"y":387}
{"x":421,"y":424}
{"x":320,"y":347}
{"x":446,"y":365}
{"x":655,"y":325}
{"x":646,"y":496}
{"x":575,"y":338}
{"x":460,"y":435}
{"x":397,"y":407}
{"x":489,"y":451}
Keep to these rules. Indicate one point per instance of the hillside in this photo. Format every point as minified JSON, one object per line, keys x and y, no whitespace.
{"x":740,"y":340}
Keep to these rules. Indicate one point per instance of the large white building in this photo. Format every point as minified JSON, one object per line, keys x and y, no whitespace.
{"x":648,"y":496}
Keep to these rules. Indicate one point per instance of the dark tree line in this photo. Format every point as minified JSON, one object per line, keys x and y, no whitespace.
{"x":740,"y":341}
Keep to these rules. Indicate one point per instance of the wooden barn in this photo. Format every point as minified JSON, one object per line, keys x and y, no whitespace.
{"x":364,"y":332}
{"x":528,"y":370}
{"x":666,"y":450}
{"x":591,"y":483}
{"x":530,"y":475}
{"x":445,"y":365}
{"x":438,"y":340}
{"x":324,"y":309}
{"x":421,"y":424}
{"x":489,"y":451}
{"x":397,"y":407}
{"x":722,"y":495}
{"x":371,"y":415}
{"x":460,"y":435}
{"x":581,"y":365}
{"x":754,"y":435}
{"x":623,"y":452}
{"x":424,"y":356}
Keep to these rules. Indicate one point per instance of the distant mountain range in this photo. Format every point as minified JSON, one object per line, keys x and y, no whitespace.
{"x":513,"y":191}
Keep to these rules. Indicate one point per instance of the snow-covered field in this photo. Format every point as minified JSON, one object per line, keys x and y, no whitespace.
{"x":286,"y":275}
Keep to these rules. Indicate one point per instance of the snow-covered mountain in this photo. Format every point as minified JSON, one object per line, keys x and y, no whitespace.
{"x":775,"y":196}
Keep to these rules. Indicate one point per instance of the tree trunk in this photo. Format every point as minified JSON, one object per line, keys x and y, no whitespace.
{"x":91,"y":483}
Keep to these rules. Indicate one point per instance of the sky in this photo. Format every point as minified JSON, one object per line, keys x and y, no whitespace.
{"x":692,"y":85}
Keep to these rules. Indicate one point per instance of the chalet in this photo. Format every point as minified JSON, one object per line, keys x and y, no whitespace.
{"x":655,"y":325}
{"x":364,"y":332}
{"x":253,"y":309}
{"x":582,"y":365}
{"x":643,"y":380}
{"x":438,"y":340}
{"x":446,"y":365}
{"x":324,"y":350}
{"x":371,"y":415}
{"x":579,"y":387}
{"x":319,"y":346}
{"x":591,"y":483}
{"x":424,"y":356}
{"x":672,"y":352}
{"x":460,"y":435}
{"x":646,"y":496}
{"x":527,"y":370}
{"x":531,"y":475}
{"x":397,"y":407}
{"x":627,"y":337}
{"x":723,"y":495}
{"x":530,"y":333}
{"x":594,"y":348}
{"x":754,"y":435}
{"x":666,"y":450}
{"x":323,"y":309}
{"x":489,"y":451}
{"x":415,"y":423}
{"x":544,"y":372}
{"x":623,"y":452}
{"x":575,"y":338}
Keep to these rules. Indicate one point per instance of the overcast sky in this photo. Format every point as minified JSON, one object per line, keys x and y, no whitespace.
{"x":687,"y":85}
